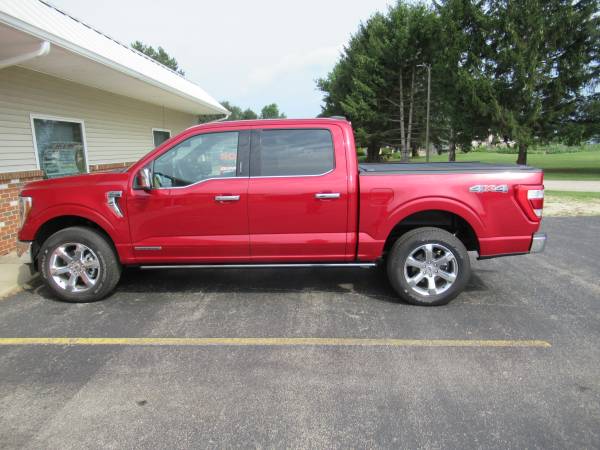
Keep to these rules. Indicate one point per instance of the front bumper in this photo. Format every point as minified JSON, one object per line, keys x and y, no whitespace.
{"x":538,"y":243}
{"x":24,"y":252}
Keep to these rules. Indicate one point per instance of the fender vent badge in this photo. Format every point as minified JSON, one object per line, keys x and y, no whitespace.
{"x":111,"y":199}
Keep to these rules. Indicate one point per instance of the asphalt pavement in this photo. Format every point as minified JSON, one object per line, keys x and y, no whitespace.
{"x":314,"y":396}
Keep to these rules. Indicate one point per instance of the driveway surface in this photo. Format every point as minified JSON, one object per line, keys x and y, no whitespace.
{"x":572,"y":185}
{"x":333,"y":395}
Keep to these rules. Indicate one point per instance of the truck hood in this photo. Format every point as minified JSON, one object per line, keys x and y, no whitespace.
{"x":113,"y":179}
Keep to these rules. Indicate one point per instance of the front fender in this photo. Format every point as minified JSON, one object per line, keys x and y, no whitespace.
{"x":35,"y":222}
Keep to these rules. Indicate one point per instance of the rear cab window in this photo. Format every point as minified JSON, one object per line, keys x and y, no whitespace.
{"x":291,"y":152}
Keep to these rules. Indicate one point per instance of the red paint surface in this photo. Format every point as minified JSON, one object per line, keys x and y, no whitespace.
{"x":279,"y":218}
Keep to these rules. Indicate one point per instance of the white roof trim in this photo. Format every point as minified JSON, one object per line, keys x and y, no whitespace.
{"x":47,"y":22}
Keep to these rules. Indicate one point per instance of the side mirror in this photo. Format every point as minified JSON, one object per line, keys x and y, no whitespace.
{"x":144,"y":179}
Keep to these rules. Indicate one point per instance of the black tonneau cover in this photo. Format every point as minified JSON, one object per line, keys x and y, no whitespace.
{"x":438,"y":167}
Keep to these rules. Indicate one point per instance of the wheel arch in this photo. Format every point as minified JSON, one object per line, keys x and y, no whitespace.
{"x":445,"y":219}
{"x":59,"y":222}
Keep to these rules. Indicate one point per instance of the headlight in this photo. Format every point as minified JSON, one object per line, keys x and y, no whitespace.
{"x":25,"y":204}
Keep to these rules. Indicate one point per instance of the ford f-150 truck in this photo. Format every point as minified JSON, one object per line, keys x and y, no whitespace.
{"x":279,"y":193}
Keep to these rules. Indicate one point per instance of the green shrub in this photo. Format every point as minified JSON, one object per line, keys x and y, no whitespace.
{"x":386,"y":152}
{"x":548,"y":149}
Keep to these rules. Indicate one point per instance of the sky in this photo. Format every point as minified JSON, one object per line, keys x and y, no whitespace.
{"x":251,"y":53}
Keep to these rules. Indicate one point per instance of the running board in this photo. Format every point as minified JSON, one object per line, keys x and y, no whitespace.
{"x":257,"y":266}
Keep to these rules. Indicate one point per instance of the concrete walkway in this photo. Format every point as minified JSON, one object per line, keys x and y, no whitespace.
{"x":14,"y":276}
{"x":570,"y":185}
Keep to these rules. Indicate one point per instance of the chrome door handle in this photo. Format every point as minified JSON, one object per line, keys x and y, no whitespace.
{"x":227,"y":198}
{"x":327,"y":195}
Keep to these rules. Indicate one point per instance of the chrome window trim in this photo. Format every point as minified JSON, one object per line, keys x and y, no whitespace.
{"x":198,"y":182}
{"x":295,"y":176}
{"x":238,"y":178}
{"x":257,"y":176}
{"x":334,"y":160}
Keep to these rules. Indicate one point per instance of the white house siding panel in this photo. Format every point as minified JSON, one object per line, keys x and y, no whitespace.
{"x":117,"y":128}
{"x":48,"y":23}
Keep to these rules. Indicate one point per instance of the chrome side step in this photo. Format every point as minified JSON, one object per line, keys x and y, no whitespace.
{"x":257,"y":266}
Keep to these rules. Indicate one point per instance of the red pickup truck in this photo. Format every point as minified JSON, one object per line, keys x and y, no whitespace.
{"x":279,"y":193}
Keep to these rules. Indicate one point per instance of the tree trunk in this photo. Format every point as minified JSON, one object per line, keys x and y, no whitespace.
{"x":410,"y":113}
{"x":415,"y":150}
{"x":452,"y":152}
{"x":522,"y":159}
{"x":452,"y":149}
{"x":401,"y":107}
{"x":373,"y":152}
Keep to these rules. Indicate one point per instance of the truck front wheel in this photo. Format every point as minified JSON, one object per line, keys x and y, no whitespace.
{"x":79,"y":265}
{"x":428,"y":266}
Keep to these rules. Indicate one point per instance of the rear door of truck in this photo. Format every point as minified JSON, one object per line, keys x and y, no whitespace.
{"x":298,"y":194}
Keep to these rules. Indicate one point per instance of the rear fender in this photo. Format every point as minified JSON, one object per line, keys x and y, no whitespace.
{"x":435,"y":203}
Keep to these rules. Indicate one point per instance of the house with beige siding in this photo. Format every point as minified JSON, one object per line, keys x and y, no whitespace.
{"x":73,"y":100}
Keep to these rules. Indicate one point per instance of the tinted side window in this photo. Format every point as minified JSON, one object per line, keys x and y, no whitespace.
{"x":211,"y":155}
{"x":293,"y":152}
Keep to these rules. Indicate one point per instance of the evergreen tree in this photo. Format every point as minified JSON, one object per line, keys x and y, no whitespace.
{"x":159,"y":55}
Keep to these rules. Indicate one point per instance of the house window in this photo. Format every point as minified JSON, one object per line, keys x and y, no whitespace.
{"x":160,"y":136}
{"x":59,"y":146}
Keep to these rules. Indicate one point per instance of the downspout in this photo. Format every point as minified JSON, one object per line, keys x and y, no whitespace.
{"x":221,"y":119}
{"x":13,"y":61}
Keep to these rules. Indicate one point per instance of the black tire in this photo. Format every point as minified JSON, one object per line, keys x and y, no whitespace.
{"x":410,"y":242}
{"x":108,"y":271}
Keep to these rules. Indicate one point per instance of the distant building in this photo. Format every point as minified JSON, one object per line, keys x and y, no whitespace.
{"x":73,"y":100}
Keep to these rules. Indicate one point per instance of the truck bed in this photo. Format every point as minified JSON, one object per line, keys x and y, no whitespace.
{"x":439,"y":167}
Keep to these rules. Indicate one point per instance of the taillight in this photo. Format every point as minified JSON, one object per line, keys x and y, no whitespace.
{"x":531,"y":200}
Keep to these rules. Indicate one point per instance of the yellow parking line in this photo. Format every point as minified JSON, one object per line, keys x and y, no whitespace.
{"x":329,"y":342}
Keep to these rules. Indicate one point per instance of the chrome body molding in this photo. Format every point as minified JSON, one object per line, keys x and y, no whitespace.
{"x":111,"y":199}
{"x":148,"y":247}
{"x":259,"y":266}
{"x":538,"y":242}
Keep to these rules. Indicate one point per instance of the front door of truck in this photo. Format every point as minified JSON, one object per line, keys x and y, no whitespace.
{"x":197,"y":210}
{"x":298,"y":195}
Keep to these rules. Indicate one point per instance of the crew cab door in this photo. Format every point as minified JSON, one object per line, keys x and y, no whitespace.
{"x":197,"y":209}
{"x":298,"y":195}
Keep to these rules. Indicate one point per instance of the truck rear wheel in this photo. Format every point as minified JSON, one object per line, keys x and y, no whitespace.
{"x":428,"y":266}
{"x":79,"y":265}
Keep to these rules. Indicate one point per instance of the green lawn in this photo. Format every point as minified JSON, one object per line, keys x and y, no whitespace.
{"x":573,"y":195}
{"x":558,"y":166}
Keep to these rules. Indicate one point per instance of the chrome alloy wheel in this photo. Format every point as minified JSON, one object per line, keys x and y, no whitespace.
{"x":74,"y":267}
{"x":430,"y":269}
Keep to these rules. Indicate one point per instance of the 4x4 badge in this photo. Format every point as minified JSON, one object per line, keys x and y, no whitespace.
{"x":489,"y":188}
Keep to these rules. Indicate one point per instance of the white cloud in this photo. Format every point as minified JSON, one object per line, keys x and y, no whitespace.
{"x":294,"y":62}
{"x":251,"y":53}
